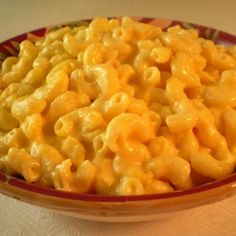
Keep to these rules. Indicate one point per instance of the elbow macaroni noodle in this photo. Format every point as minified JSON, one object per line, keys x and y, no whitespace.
{"x":119,"y":107}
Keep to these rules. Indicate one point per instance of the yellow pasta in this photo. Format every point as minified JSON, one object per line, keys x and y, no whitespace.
{"x":22,"y":163}
{"x":119,"y":107}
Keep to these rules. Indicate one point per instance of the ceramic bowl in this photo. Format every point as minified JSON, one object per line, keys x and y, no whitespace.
{"x":117,"y":208}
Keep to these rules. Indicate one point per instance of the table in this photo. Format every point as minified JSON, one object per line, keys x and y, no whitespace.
{"x":20,"y":219}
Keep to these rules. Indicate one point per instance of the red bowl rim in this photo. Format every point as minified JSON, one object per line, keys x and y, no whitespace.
{"x":41,"y":31}
{"x":18,"y":183}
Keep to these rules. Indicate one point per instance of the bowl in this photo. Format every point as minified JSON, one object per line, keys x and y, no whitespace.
{"x":117,"y":208}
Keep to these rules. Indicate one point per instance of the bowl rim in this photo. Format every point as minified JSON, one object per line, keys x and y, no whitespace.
{"x":30,"y":187}
{"x":6,"y":44}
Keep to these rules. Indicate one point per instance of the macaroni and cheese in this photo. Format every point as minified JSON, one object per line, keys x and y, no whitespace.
{"x":119,"y":107}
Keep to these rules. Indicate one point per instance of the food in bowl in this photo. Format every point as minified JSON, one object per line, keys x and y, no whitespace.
{"x":119,"y":107}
